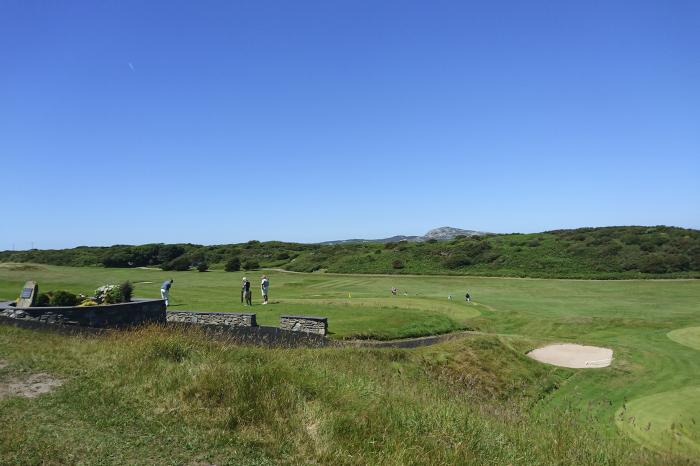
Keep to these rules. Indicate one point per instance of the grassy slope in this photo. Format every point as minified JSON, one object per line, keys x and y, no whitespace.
{"x":632,"y":317}
{"x":611,"y":252}
{"x":163,"y":397}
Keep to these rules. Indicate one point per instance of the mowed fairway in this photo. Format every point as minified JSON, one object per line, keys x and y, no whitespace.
{"x":356,"y":307}
{"x":650,"y":391}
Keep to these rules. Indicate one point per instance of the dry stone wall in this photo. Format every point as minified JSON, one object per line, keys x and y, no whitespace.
{"x":231,"y":319}
{"x":307,"y":324}
{"x":138,"y":311}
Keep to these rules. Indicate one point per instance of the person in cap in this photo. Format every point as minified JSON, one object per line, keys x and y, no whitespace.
{"x":165,"y":290}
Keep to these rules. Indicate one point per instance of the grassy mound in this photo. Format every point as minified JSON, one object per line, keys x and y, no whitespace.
{"x":668,"y":421}
{"x":160,"y":396}
{"x":689,"y":336}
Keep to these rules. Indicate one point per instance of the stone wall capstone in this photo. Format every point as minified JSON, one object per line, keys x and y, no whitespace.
{"x":231,"y":319}
{"x":307,"y":324}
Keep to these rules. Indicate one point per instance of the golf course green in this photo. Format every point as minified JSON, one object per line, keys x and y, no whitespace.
{"x":650,"y":392}
{"x":686,"y":336}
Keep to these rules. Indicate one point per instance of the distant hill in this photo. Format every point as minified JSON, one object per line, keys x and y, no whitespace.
{"x":393,"y":239}
{"x":608,"y":252}
{"x":439,"y":234}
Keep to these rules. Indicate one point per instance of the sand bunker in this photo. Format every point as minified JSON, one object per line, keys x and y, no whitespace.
{"x":575,"y":356}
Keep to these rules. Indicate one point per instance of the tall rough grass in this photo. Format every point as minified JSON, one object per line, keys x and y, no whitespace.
{"x":159,"y":396}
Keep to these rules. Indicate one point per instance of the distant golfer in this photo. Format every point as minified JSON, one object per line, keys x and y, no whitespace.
{"x":394,"y":291}
{"x":165,"y":290}
{"x":247,"y":294}
{"x":467,"y":297}
{"x":264,"y":287}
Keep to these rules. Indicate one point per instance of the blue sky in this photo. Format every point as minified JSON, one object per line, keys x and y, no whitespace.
{"x":217,"y":122}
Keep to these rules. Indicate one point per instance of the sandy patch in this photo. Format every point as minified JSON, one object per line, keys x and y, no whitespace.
{"x":574,"y":356}
{"x":29,"y":386}
{"x":20,"y":267}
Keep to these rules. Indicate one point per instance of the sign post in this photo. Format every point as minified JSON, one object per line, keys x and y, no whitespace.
{"x":27,"y":297}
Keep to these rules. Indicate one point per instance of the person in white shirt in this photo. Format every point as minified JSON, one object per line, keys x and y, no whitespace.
{"x":264,"y":287}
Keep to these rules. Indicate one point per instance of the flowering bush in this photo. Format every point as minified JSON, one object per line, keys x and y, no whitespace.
{"x":108,"y":294}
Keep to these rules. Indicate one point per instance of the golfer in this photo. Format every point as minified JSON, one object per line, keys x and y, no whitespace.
{"x":165,"y":290}
{"x":264,"y":287}
{"x":468,"y":297}
{"x":247,"y":293}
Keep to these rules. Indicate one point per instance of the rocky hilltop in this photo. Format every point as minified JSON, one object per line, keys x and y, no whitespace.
{"x":440,"y":234}
{"x":445,"y":233}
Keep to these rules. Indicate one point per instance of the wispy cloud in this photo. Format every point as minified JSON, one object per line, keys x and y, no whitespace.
{"x":131,"y":65}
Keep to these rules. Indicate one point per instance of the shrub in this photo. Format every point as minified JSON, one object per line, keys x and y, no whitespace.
{"x":169,"y":252}
{"x":282,"y":256}
{"x":677,"y":263}
{"x":63,"y":298}
{"x":114,"y":296}
{"x":473,"y":247}
{"x":647,"y":247}
{"x":202,"y":267}
{"x":397,"y":264}
{"x":653,"y":263}
{"x":126,"y":289}
{"x":117,"y":259}
{"x":42,"y":300}
{"x":233,"y":265}
{"x":179,"y":264}
{"x":457,"y":261}
{"x":251,"y":265}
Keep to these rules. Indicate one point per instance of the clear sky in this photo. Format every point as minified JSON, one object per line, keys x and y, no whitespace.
{"x":216,"y":122}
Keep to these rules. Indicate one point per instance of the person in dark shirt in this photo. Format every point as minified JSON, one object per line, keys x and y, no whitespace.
{"x":165,"y":290}
{"x":467,"y":297}
{"x":247,"y":294}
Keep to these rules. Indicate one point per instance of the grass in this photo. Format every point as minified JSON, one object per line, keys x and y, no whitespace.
{"x":157,"y":396}
{"x":357,"y":306}
{"x":689,"y":336}
{"x":472,"y":391}
{"x":665,"y":421}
